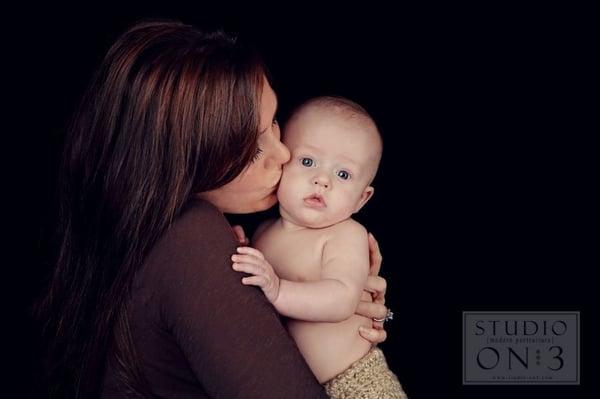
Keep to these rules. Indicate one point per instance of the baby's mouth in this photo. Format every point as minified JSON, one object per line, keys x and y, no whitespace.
{"x":315,"y":201}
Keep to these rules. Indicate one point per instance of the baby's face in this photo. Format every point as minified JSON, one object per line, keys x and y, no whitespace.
{"x":333,"y":160}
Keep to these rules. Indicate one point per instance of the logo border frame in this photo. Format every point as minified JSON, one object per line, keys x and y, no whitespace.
{"x":577,"y":380}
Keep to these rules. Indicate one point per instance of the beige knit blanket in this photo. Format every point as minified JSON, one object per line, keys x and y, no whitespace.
{"x":367,"y":378}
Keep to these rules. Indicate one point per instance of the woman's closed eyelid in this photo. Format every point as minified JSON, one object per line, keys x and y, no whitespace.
{"x":257,"y":155}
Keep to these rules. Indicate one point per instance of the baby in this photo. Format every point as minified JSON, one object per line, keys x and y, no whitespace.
{"x":312,"y":263}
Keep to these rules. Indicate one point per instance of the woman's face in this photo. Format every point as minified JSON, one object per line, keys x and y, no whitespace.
{"x":255,"y":188}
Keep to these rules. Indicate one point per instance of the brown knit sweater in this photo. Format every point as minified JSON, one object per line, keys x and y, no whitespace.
{"x":199,"y":332}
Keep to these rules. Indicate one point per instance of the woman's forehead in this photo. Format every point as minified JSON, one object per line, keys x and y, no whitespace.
{"x":268,"y":100}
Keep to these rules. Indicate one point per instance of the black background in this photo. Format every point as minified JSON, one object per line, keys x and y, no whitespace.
{"x":484,"y":196}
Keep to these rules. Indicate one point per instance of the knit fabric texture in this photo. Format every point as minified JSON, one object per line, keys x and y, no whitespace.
{"x":367,"y":378}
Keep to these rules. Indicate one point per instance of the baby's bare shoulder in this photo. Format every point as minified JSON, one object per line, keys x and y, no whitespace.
{"x":349,"y":228}
{"x":262,"y":228}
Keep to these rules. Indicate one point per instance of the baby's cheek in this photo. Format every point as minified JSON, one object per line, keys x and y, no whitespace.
{"x":343,"y":211}
{"x":285,"y":182}
{"x":350,"y":203}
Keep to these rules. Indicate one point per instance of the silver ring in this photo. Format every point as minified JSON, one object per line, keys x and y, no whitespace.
{"x":388,"y":316}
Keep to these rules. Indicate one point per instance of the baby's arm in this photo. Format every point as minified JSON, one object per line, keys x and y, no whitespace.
{"x":335,"y":297}
{"x":343,"y":276}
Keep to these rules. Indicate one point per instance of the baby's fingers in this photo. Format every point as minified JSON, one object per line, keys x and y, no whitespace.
{"x":247,"y":259}
{"x":259,"y":281}
{"x":248,"y":268}
{"x":250,"y":251}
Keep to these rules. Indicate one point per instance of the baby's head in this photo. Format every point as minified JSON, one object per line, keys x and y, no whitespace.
{"x":335,"y":151}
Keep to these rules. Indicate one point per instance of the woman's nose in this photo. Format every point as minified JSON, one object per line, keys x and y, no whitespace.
{"x":284,"y":153}
{"x":279,"y":156}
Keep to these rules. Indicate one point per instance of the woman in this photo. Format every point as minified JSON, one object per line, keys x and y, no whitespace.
{"x":177,"y":127}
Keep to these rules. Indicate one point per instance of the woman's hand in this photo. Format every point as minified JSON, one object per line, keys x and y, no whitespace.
{"x":252,"y":261}
{"x":376,"y":286}
{"x":240,"y":235}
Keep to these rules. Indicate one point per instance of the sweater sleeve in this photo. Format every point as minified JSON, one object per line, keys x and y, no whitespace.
{"x":228,"y":332}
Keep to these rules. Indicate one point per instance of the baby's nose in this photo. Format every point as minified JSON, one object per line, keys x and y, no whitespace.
{"x":321,"y":181}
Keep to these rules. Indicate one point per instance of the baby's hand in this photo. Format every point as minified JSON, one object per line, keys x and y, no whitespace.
{"x":252,"y":261}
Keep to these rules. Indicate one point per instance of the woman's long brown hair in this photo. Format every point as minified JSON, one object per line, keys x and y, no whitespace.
{"x":170,"y":112}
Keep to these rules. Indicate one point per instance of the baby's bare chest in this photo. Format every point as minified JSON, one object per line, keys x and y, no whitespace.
{"x":294,"y":256}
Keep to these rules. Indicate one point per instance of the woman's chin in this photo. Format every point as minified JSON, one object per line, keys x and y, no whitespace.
{"x":268,"y":202}
{"x":260,"y":205}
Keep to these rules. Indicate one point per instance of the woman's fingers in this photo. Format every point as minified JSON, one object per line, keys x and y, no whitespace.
{"x":375,"y":257}
{"x":376,"y":286}
{"x":240,"y":235}
{"x":372,"y":335}
{"x":371,"y":310}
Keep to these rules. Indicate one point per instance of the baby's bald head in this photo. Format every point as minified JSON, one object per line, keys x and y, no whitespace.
{"x":360,"y":126}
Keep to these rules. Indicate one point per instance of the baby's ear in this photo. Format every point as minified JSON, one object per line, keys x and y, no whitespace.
{"x":364,"y":197}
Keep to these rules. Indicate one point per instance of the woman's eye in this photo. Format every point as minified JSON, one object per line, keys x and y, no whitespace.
{"x":307,"y":162}
{"x":275,"y":121}
{"x":342,"y":174}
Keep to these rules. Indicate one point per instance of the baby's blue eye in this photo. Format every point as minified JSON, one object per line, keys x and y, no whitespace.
{"x":342,"y":174}
{"x":307,"y":162}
